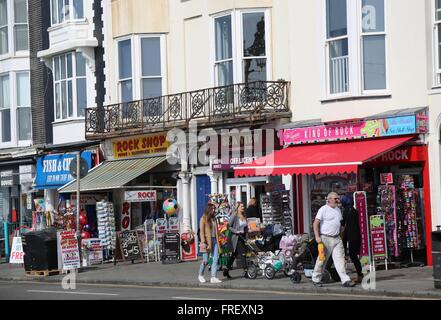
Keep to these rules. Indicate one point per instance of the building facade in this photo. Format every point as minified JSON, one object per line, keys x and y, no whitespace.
{"x":339,"y":57}
{"x":16,"y":150}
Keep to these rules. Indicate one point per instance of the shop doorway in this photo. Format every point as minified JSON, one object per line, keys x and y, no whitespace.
{"x":203,"y":189}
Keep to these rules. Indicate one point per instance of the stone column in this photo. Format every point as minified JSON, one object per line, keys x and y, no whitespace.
{"x":185,"y":178}
{"x":214,"y":178}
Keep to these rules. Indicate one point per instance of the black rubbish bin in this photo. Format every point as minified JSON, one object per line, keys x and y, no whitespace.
{"x":436,"y":257}
{"x":40,"y":249}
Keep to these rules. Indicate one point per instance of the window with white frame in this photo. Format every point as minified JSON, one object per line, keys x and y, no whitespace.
{"x":374,"y":45}
{"x":355,"y":50}
{"x":337,"y":44}
{"x":125,"y":70}
{"x":144,"y":77}
{"x":13,"y":26}
{"x":437,"y":37}
{"x":70,"y":85}
{"x":5,"y":109}
{"x":224,"y":51}
{"x":254,"y":47}
{"x":21,"y":25}
{"x":3,"y":27}
{"x":65,"y":10}
{"x":151,"y":75}
{"x":23,"y":89}
{"x":246,"y":60}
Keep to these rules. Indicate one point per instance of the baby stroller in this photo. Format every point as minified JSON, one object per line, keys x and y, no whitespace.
{"x":304,"y":259}
{"x":263,"y":255}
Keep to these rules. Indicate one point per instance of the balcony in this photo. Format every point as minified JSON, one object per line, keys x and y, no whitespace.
{"x":247,"y":104}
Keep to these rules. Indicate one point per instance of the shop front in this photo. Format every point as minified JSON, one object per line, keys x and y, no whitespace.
{"x":244,"y":148}
{"x":16,"y":193}
{"x":382,"y":163}
{"x":134,"y":181}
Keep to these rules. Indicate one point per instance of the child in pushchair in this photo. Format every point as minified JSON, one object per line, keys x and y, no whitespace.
{"x":280,"y":251}
{"x":272,"y":253}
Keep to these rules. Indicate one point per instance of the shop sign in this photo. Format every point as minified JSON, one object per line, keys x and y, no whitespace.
{"x":87,"y":199}
{"x":386,"y":178}
{"x":402,"y":154}
{"x":161,"y":227}
{"x":17,"y":253}
{"x":92,"y":251}
{"x":7,"y":178}
{"x":361,"y":207}
{"x":140,"y":196}
{"x":130,"y":245}
{"x":140,"y":145}
{"x":53,"y":171}
{"x":188,"y":247}
{"x":125,"y":217}
{"x":29,"y":201}
{"x":354,"y":130}
{"x":171,"y":248}
{"x":378,"y":236}
{"x":233,"y":162}
{"x":26,"y":174}
{"x":69,"y":256}
{"x":422,"y":120}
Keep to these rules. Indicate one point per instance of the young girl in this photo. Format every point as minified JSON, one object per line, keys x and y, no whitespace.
{"x":209,"y":243}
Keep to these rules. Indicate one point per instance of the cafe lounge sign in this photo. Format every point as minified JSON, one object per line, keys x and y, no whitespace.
{"x":140,"y":145}
{"x":353,"y":130}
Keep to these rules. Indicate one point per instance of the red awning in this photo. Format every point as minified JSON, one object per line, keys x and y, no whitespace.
{"x":325,"y":158}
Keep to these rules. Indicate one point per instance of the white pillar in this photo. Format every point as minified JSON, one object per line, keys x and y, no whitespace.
{"x":186,"y":223}
{"x":214,"y":178}
{"x":221,"y":188}
{"x":194,"y":209}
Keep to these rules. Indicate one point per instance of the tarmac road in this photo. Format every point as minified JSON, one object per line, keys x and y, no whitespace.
{"x":53,"y":291}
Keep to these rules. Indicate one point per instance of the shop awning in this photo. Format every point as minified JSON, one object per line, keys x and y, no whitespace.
{"x":324,"y":158}
{"x":113,"y":174}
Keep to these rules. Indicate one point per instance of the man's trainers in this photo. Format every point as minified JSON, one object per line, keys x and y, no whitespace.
{"x":202,"y":279}
{"x":349,"y":284}
{"x":317,"y":284}
{"x":215,"y":280}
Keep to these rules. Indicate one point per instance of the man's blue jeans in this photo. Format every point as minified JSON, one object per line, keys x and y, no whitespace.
{"x":215,"y":258}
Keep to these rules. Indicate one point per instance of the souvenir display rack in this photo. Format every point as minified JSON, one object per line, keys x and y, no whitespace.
{"x":386,"y":201}
{"x":106,"y":226}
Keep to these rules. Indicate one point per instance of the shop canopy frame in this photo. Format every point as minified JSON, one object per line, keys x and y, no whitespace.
{"x":324,"y":158}
{"x":113,"y":174}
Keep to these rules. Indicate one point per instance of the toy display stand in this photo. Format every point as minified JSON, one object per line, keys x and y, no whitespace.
{"x":222,"y":214}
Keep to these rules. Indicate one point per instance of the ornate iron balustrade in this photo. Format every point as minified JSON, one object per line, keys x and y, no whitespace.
{"x":213,"y":106}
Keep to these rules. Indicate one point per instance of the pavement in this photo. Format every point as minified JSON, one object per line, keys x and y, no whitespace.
{"x":415,"y":282}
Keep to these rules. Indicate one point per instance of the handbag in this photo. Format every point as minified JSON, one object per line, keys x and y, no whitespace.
{"x":202,"y":247}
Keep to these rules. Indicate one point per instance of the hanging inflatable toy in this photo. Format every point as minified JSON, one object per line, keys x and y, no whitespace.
{"x":170,"y":207}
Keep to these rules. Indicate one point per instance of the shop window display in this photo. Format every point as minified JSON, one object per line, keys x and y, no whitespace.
{"x":321,"y":185}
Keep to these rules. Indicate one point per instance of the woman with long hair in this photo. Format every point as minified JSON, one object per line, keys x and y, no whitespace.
{"x":209,"y":243}
{"x":236,"y":241}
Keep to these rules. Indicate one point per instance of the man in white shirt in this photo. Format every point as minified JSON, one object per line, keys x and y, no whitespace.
{"x":327,"y":225}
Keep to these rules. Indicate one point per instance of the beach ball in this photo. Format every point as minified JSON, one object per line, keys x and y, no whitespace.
{"x":170,"y":206}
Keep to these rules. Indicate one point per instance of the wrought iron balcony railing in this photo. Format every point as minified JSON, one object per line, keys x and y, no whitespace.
{"x":234,"y":103}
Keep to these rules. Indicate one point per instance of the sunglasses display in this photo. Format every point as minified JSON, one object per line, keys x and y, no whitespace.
{"x":276,"y":209}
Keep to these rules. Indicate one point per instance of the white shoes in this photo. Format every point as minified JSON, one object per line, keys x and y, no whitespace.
{"x":201,"y":279}
{"x":215,"y":280}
